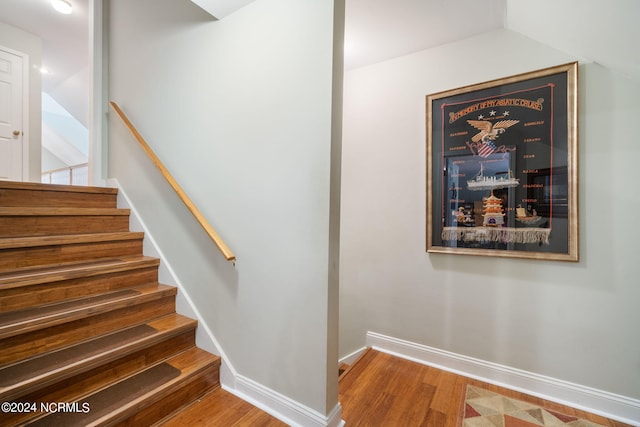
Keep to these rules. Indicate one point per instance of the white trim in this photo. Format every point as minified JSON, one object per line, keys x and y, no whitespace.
{"x":98,"y":62}
{"x":286,"y":410}
{"x":610,"y":405}
{"x":351,"y":358}
{"x":25,"y":92}
{"x":281,"y":407}
{"x":166,"y":275}
{"x":26,"y":87}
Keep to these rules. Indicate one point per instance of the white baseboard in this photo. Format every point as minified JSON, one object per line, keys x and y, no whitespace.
{"x":166,"y":275}
{"x":286,"y":410}
{"x":350,"y":359}
{"x":281,"y":407}
{"x":617,"y":407}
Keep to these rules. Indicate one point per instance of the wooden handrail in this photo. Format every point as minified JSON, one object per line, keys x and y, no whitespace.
{"x":217,"y":240}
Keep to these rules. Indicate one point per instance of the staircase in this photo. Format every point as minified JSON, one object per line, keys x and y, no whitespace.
{"x":87,"y":334}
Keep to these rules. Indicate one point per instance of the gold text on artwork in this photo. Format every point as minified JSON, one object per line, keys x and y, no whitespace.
{"x":493,"y":103}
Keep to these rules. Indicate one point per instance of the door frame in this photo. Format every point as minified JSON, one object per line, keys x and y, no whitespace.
{"x":25,"y":109}
{"x":98,"y":91}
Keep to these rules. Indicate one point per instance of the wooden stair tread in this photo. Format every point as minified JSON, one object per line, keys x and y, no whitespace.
{"x":37,"y":194}
{"x":109,"y":400}
{"x":83,"y":317}
{"x":67,"y":332}
{"x":35,"y":275}
{"x":67,"y":239}
{"x":50,"y":367}
{"x":14,"y":185}
{"x":104,"y":375}
{"x":39,"y":317}
{"x":123,"y":399}
{"x":50,"y":211}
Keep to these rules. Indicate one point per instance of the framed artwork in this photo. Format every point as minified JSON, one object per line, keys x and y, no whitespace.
{"x":502,"y":164}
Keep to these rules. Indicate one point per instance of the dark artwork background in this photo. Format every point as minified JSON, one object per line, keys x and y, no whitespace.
{"x":531,"y":145}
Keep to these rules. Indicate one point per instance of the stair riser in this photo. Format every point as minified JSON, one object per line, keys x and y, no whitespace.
{"x":47,"y":293}
{"x":58,"y":254}
{"x":75,"y":387}
{"x":202,"y":383}
{"x":14,"y":226}
{"x":12,"y":323}
{"x":40,"y":198}
{"x":37,"y":342}
{"x":92,"y":355}
{"x":73,"y":278}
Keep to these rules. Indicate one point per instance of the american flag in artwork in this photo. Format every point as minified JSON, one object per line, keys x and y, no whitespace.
{"x":486,"y":148}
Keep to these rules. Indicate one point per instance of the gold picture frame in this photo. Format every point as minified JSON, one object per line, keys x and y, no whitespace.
{"x":502,"y":167}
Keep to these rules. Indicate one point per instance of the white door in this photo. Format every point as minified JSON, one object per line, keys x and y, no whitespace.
{"x":11,"y":131}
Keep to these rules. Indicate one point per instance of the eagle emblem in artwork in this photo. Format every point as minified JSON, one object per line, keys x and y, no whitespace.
{"x":488,"y":133}
{"x":488,"y":130}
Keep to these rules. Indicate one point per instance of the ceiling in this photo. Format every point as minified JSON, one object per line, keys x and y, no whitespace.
{"x":377,"y":30}
{"x":65,"y":38}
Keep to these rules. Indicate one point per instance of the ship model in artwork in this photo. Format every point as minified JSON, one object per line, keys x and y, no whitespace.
{"x":482,"y":182}
{"x":494,"y":226}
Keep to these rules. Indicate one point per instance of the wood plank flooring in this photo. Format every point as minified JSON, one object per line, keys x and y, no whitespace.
{"x":383,"y":390}
{"x":221,"y":408}
{"x":379,"y":390}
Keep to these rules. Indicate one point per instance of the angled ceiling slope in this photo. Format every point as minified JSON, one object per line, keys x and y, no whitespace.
{"x":221,"y":8}
{"x":603,"y":32}
{"x":378,"y":30}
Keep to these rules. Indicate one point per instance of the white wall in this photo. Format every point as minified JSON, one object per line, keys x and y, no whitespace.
{"x":603,"y":32}
{"x":571,"y":321}
{"x":50,"y":161}
{"x":239,"y":110}
{"x":17,"y":39}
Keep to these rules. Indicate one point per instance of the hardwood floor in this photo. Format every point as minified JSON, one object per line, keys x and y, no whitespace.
{"x":383,"y":390}
{"x":221,"y":408}
{"x":84,"y":319}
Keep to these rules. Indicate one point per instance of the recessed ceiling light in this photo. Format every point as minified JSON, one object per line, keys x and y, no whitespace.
{"x":62,"y":6}
{"x":44,"y":70}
